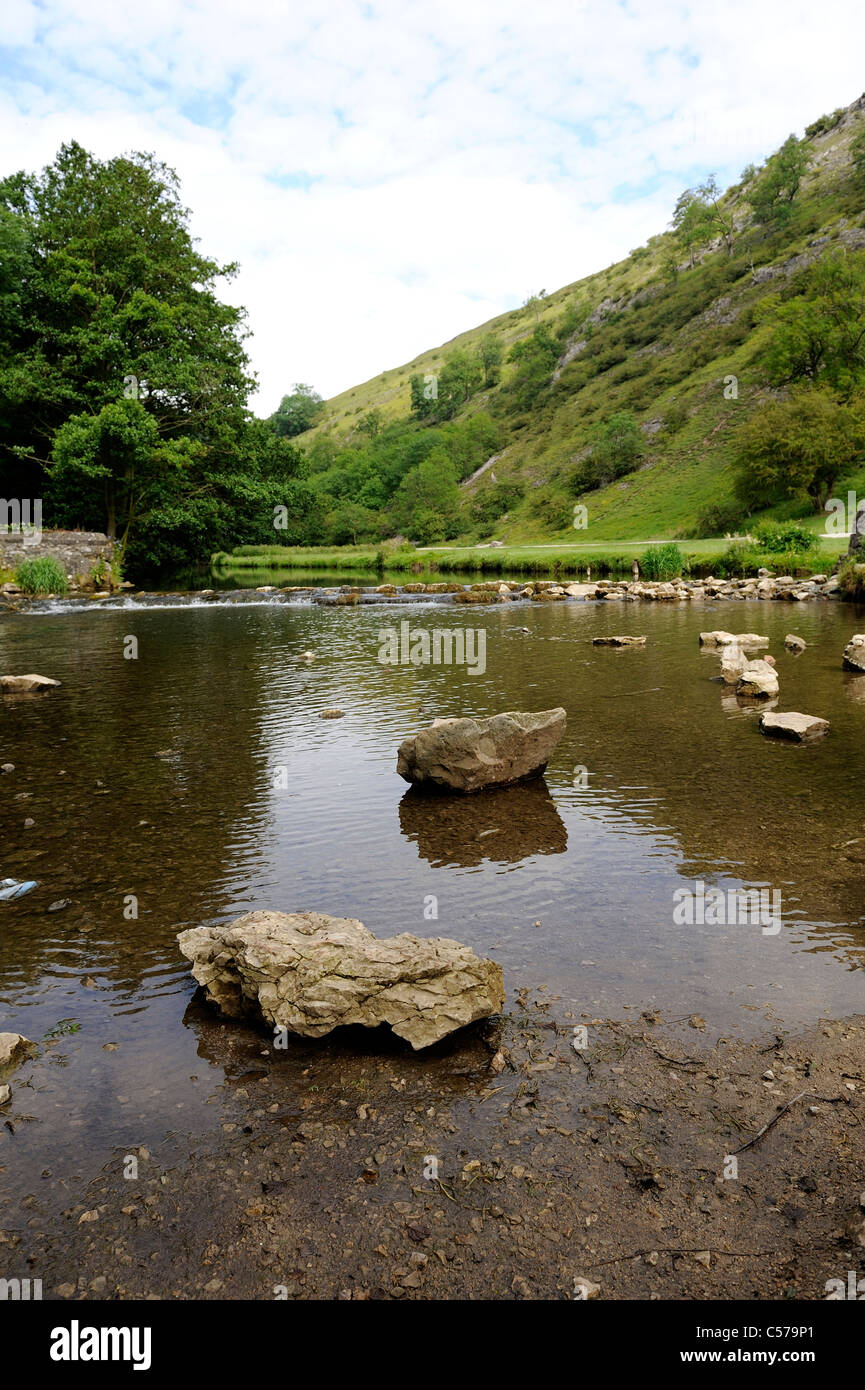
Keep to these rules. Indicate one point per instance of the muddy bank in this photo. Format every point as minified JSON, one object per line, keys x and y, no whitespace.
{"x":500,"y":1164}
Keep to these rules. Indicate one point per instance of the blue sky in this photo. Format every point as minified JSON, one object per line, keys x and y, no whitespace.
{"x":389,"y":174}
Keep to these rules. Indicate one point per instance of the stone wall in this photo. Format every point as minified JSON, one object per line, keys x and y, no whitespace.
{"x":77,"y":551}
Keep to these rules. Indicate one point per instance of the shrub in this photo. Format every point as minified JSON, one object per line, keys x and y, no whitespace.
{"x":662,"y":562}
{"x":42,"y":575}
{"x":741,"y":559}
{"x":778,"y":537}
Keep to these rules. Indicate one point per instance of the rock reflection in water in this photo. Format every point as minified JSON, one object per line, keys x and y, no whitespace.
{"x":503,"y":825}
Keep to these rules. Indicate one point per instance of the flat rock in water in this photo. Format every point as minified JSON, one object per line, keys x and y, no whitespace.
{"x":854,"y":653}
{"x":799,"y":728}
{"x":622,"y":641}
{"x":310,"y":973}
{"x":759,"y":680}
{"x":735,"y":639}
{"x":466,"y":755}
{"x":794,"y":643}
{"x":14,"y":685}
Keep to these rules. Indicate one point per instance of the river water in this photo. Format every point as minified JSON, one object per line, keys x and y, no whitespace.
{"x":197,"y":781}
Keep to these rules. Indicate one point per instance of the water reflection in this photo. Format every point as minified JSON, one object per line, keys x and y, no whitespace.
{"x":503,"y":825}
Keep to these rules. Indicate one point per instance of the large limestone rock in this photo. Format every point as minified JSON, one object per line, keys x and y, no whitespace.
{"x":854,"y":653}
{"x":467,"y":754}
{"x":15,"y":685}
{"x":759,"y":680}
{"x":310,"y":973}
{"x":798,"y":728}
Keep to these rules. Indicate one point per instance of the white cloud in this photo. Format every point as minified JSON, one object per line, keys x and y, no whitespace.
{"x":460,"y":155}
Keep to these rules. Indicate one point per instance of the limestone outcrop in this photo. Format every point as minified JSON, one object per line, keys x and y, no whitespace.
{"x":310,"y":973}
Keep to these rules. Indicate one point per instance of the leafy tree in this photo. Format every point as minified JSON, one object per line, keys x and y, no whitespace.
{"x":776,"y":187}
{"x":438,"y":396}
{"x":803,"y":444}
{"x":535,"y":302}
{"x":107,"y":459}
{"x":700,"y":216}
{"x":424,"y":395}
{"x":371,"y":423}
{"x":353,"y":524}
{"x":297,"y":411}
{"x":493,"y":502}
{"x":535,"y":357}
{"x":617,"y":446}
{"x":123,"y":377}
{"x":459,"y":379}
{"x":491,"y":354}
{"x":113,"y":295}
{"x":818,"y":334}
{"x":692,"y":223}
{"x":426,"y":505}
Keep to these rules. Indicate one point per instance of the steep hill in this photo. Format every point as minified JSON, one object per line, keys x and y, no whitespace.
{"x":678,"y":347}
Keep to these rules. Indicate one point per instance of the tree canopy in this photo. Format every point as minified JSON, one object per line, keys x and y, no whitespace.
{"x":123,"y":375}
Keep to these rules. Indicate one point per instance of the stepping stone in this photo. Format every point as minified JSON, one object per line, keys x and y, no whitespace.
{"x":798,"y":728}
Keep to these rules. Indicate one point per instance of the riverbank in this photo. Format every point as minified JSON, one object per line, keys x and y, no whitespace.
{"x":545,"y":560}
{"x":500,"y":1164}
{"x":785,"y":588}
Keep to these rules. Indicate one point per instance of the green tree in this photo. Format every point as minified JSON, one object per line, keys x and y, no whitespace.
{"x":426,"y":505}
{"x":818,"y":333}
{"x":692,"y":222}
{"x":803,"y":444}
{"x":491,"y":354}
{"x":459,"y":379}
{"x":535,"y":357}
{"x":371,"y":423}
{"x":352,"y":524}
{"x":123,"y":377}
{"x":297,"y":412}
{"x":114,"y":300}
{"x":777,"y":185}
{"x":111,"y":456}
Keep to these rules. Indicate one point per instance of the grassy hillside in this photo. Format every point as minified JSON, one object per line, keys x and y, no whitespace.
{"x":653,"y":336}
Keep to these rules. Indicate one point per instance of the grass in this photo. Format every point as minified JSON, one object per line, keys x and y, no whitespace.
{"x":700,"y":558}
{"x":43,"y":575}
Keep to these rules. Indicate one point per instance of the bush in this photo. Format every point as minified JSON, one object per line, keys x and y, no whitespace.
{"x":778,"y":537}
{"x":742,"y":559}
{"x":662,"y":562}
{"x":42,"y":575}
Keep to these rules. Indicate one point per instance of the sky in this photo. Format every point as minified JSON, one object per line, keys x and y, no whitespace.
{"x":390,"y":174}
